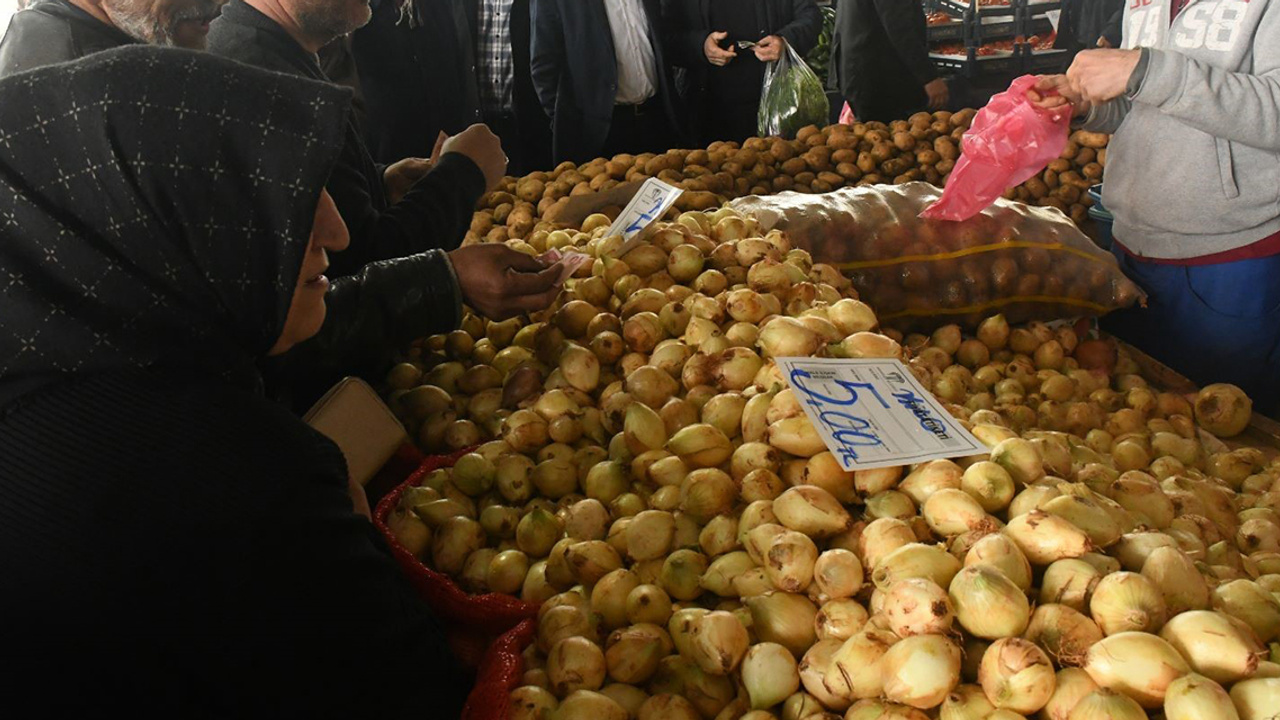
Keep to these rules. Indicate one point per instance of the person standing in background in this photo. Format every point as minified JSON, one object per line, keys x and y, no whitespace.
{"x":880,"y":56}
{"x":1085,"y":22}
{"x":725,"y":82}
{"x":417,"y":75}
{"x":500,"y":32}
{"x":600,"y":71}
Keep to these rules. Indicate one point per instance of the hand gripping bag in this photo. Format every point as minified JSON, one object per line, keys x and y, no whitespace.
{"x":1010,"y":141}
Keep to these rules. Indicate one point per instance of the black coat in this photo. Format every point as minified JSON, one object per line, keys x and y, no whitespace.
{"x":417,"y":81}
{"x":880,"y":57}
{"x":689,"y":23}
{"x":532,"y":124}
{"x":434,"y":214}
{"x":575,"y":72}
{"x":180,"y":544}
{"x":52,"y":32}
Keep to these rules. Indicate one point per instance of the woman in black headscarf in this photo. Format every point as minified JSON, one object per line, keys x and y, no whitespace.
{"x":171,"y":542}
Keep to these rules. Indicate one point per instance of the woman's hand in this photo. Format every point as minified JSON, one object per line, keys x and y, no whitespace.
{"x":499,"y":282}
{"x":717,"y":55}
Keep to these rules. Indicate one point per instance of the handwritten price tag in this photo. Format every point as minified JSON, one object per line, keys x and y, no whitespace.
{"x":650,"y":202}
{"x":874,"y":413}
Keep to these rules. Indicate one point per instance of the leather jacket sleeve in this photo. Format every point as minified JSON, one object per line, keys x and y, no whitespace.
{"x":370,"y":316}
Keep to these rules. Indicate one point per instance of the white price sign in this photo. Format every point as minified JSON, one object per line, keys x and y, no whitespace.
{"x":650,"y":202}
{"x":873,"y":413}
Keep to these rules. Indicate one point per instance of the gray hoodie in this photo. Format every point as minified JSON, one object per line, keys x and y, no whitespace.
{"x":1194,"y":166}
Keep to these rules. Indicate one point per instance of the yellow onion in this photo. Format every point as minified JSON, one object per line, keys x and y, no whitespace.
{"x":1214,"y":645}
{"x":530,"y":702}
{"x":814,"y":669}
{"x":1065,"y":634}
{"x":929,"y":478}
{"x":632,"y":654}
{"x":1250,"y":602}
{"x":916,"y":606}
{"x":1127,"y":602}
{"x":1256,"y":699}
{"x":870,"y":345}
{"x":1137,"y":664}
{"x":720,"y":574}
{"x":838,"y":573}
{"x":1088,"y":515}
{"x":783,"y":618}
{"x":769,"y":674}
{"x":1177,"y":579}
{"x":1070,"y":686}
{"x":609,"y":596}
{"x":789,"y":561}
{"x":589,"y":705}
{"x":719,"y":642}
{"x":824,"y":471}
{"x":706,"y":493}
{"x":952,"y":512}
{"x":1104,"y":704}
{"x":881,"y":537}
{"x":575,"y":663}
{"x":664,"y":706}
{"x":999,"y":552}
{"x":916,"y":560}
{"x":788,"y":337}
{"x":1044,"y":538}
{"x":681,"y":572}
{"x":989,"y":484}
{"x":650,"y":534}
{"x":921,"y":670}
{"x":701,"y":446}
{"x":719,"y":536}
{"x":811,"y":510}
{"x":882,"y":710}
{"x":1223,"y":409}
{"x":889,"y":503}
{"x":988,"y":604}
{"x":1020,"y":459}
{"x":966,"y":702}
{"x":1032,"y":498}
{"x":839,"y":619}
{"x":795,"y":435}
{"x":1195,"y":697}
{"x":855,"y":671}
{"x":1016,"y":675}
{"x":759,"y":538}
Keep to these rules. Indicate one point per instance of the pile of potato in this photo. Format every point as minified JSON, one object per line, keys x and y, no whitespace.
{"x":697,"y":553}
{"x":923,"y":147}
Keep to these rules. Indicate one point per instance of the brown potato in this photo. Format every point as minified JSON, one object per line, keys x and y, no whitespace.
{"x":582,"y":188}
{"x":783,"y":182}
{"x":927,"y":157}
{"x":1067,"y":193}
{"x":741,"y":185}
{"x":944,"y":115}
{"x":545,"y":205}
{"x":502,"y":212}
{"x":794,"y":166}
{"x":819,"y":186}
{"x":844,"y":156}
{"x":945,"y":166}
{"x":481,"y":223}
{"x":866,"y":163}
{"x":899,"y":126}
{"x":1085,"y":156}
{"x":909,"y":176}
{"x":598,"y":181}
{"x":895,"y":166}
{"x":1092,"y":171}
{"x":1050,"y":178}
{"x":497,"y":234}
{"x":832,"y":179}
{"x":782,"y":150}
{"x":872,"y":179}
{"x":746,"y":158}
{"x":945,"y":148}
{"x":849,"y":171}
{"x":1090,"y":139}
{"x":756,"y":144}
{"x":958,"y":135}
{"x":1079,"y":213}
{"x":932,"y":176}
{"x":658,"y":164}
{"x":1021,"y":193}
{"x":1102,"y":157}
{"x":963,"y":118}
{"x":817,"y":160}
{"x":697,"y":157}
{"x":1060,"y":165}
{"x":876,"y":136}
{"x":693,"y":185}
{"x":842,"y":141}
{"x":1069,"y":151}
{"x":1036,"y":187}
{"x":881,"y":152}
{"x":671,"y":177}
{"x":903,"y":140}
{"x":806,"y":132}
{"x":733,"y":168}
{"x":697,"y":201}
{"x":805,"y":178}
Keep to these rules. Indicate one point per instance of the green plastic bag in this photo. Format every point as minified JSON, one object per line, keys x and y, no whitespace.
{"x":792,"y":97}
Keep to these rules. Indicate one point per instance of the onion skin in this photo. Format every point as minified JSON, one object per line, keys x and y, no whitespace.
{"x":1137,"y":664}
{"x":1195,"y":697}
{"x":1215,"y":647}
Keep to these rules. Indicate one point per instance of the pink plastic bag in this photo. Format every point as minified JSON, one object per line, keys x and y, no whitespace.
{"x":1010,"y":141}
{"x":846,"y":115}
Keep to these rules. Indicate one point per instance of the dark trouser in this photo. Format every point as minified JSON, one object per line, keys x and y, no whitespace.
{"x":733,"y":122}
{"x":1212,"y":323}
{"x":504,"y":125}
{"x":888,"y":103}
{"x":638,"y":129}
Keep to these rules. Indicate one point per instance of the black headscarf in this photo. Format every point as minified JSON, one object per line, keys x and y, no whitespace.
{"x":155,"y":207}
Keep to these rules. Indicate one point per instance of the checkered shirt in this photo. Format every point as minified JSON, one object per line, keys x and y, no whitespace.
{"x":495,"y":66}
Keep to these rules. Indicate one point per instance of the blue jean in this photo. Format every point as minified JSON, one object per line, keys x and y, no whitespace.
{"x":1212,"y":323}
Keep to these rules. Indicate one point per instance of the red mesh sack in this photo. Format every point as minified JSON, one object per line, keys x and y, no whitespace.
{"x":1009,"y":141}
{"x":500,"y":672}
{"x":471,"y":622}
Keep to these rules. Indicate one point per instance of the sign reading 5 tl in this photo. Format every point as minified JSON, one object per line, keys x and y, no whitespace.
{"x":874,"y":413}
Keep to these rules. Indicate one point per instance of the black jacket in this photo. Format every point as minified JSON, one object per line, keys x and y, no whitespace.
{"x":435,"y":213}
{"x":880,"y":56}
{"x":54,"y":31}
{"x":417,"y":81}
{"x":575,"y":72}
{"x":689,"y":23}
{"x":533,"y":125}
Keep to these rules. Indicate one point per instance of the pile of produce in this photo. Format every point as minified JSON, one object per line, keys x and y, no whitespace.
{"x":655,"y":487}
{"x":923,"y":147}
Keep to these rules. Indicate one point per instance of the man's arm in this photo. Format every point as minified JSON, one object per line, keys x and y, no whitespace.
{"x":434,"y":214}
{"x":1106,"y":117}
{"x":1236,"y":106}
{"x":802,"y":32}
{"x":903,"y":25}
{"x":547,"y":55}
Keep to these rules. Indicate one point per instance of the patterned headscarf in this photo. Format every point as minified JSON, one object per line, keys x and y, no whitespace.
{"x":155,"y":207}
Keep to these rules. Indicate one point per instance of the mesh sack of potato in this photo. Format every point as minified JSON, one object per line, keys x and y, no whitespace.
{"x":1026,"y":262}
